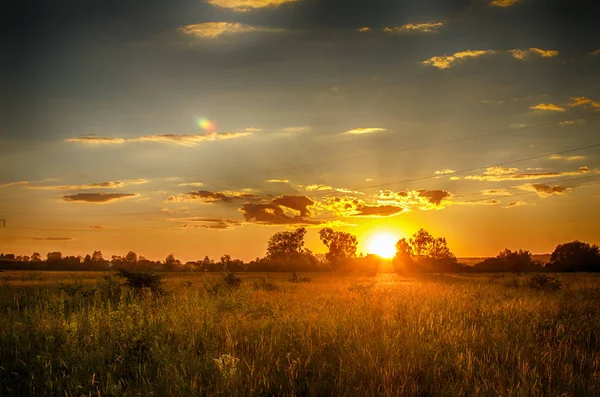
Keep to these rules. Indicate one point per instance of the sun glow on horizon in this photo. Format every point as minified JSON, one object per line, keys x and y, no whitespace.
{"x":382,"y":244}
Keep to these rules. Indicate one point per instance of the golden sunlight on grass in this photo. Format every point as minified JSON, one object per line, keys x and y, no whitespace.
{"x":383,"y":244}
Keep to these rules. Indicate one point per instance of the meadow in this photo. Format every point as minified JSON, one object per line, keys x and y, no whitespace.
{"x":84,"y":334}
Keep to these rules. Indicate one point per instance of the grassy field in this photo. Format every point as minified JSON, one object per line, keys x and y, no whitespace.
{"x":436,"y":335}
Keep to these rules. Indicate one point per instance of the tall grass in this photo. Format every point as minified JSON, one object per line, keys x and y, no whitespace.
{"x":385,"y":335}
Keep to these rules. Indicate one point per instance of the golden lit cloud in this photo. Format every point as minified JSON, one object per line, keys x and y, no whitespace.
{"x":427,"y":27}
{"x":447,"y":61}
{"x":206,"y":196}
{"x":312,"y":188}
{"x":445,"y":171}
{"x":367,"y":130}
{"x":302,"y":128}
{"x":98,"y":197}
{"x":497,"y":174}
{"x":547,"y":106}
{"x":515,"y":204}
{"x":11,"y":184}
{"x":274,"y":213}
{"x":567,"y":158}
{"x":247,"y":5}
{"x":212,"y":30}
{"x":100,"y":185}
{"x":583,"y":101}
{"x":525,"y":53}
{"x":207,"y":223}
{"x":96,"y":140}
{"x":178,"y":139}
{"x":192,"y":184}
{"x":277,"y":181}
{"x":503,"y":3}
{"x":571,"y":122}
{"x":544,"y":190}
{"x":365,"y":29}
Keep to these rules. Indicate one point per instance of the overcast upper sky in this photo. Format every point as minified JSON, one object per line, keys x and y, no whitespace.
{"x":201,"y":127}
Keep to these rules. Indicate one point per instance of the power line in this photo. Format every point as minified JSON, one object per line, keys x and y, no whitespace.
{"x":471,"y":169}
{"x":473,"y":137}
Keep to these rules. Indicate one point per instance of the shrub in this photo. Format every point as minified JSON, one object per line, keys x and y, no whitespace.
{"x":495,"y":278}
{"x":542,"y":282}
{"x":140,"y":280}
{"x":229,"y":279}
{"x":294,"y":278}
{"x":265,"y":285}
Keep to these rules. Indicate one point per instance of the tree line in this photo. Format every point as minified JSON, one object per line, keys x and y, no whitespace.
{"x":286,"y":252}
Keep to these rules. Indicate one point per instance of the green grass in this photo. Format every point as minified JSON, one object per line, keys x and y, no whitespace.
{"x":439,"y":335}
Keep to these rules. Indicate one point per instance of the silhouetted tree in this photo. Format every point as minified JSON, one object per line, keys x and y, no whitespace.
{"x":403,"y":261}
{"x":171,"y":263}
{"x":426,"y":253}
{"x":36,"y":257}
{"x":575,"y":256}
{"x":341,"y":245}
{"x":519,"y":261}
{"x":286,"y":245}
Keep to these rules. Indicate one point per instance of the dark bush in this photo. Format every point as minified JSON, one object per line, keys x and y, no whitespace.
{"x":140,"y":280}
{"x":542,"y":282}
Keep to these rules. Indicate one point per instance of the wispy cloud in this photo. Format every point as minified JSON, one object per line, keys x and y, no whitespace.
{"x":583,"y":101}
{"x":96,"y":140}
{"x":548,"y":106}
{"x":447,"y":61}
{"x":366,"y":130}
{"x":515,"y":204}
{"x":525,"y":53}
{"x":192,"y":184}
{"x":179,"y":139}
{"x":86,"y":186}
{"x":302,"y":128}
{"x":247,"y":5}
{"x":571,"y":122}
{"x":98,"y":197}
{"x":207,"y":196}
{"x":445,"y":171}
{"x":207,"y":223}
{"x":427,"y":27}
{"x":503,"y":3}
{"x":544,"y":190}
{"x":11,"y":184}
{"x":495,"y":192}
{"x":498,"y":174}
{"x":212,"y":30}
{"x":567,"y":158}
{"x":277,"y":181}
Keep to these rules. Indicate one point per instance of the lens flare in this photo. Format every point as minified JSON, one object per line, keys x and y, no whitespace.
{"x":206,"y":124}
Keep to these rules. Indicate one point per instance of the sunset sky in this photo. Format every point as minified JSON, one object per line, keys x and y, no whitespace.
{"x":202,"y":127}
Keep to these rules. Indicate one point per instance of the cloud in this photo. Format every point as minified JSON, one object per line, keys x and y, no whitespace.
{"x":525,"y":53}
{"x":96,"y":140}
{"x":503,"y":3}
{"x":247,"y":5}
{"x":571,"y":122}
{"x":192,"y":184}
{"x":179,"y":139}
{"x":515,"y":204}
{"x":544,"y":190}
{"x":427,"y":27}
{"x":498,"y":174}
{"x":365,"y":29}
{"x":596,"y":52}
{"x":495,"y":192}
{"x":97,"y":227}
{"x":567,"y":158}
{"x":207,"y":223}
{"x":10,"y":184}
{"x":99,"y":185}
{"x":302,"y":128}
{"x":447,"y":61}
{"x":583,"y":101}
{"x":207,"y":196}
{"x":445,"y":171}
{"x":213,"y":30}
{"x":274,"y":213}
{"x":277,"y":181}
{"x":547,"y":106}
{"x":98,"y":197}
{"x":353,"y":207}
{"x":318,"y":187}
{"x":367,"y":130}
{"x":52,"y":238}
{"x":434,"y":196}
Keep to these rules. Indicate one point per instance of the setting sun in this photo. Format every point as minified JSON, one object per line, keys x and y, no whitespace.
{"x":383,"y":244}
